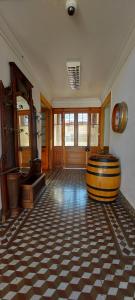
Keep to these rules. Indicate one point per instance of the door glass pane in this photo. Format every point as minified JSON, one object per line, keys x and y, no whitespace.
{"x":94,"y":130}
{"x":94,"y":135}
{"x":57,"y":130}
{"x":82,"y":129}
{"x":95,"y":118}
{"x":69,"y":129}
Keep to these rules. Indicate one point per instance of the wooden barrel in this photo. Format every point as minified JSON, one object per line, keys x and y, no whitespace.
{"x":103,"y":177}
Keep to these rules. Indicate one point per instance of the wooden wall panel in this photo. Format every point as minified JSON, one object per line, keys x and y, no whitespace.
{"x":45,"y":158}
{"x":58,"y":157}
{"x":74,"y":157}
{"x":25,"y":157}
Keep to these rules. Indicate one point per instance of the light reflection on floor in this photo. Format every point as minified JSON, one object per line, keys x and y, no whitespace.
{"x":70,"y":196}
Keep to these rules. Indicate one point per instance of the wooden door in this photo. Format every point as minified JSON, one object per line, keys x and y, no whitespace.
{"x":74,"y":131}
{"x":75,"y":138}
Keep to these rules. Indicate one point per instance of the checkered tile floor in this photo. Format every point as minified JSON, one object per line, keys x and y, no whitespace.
{"x":68,"y":246}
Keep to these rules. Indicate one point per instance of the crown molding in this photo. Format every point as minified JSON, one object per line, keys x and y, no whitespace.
{"x":126,"y":49}
{"x":10,"y":39}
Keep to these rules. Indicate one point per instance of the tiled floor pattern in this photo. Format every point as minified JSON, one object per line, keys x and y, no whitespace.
{"x":70,"y":247}
{"x":126,"y":243}
{"x":12,"y":225}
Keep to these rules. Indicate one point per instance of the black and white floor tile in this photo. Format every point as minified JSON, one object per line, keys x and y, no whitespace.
{"x":68,"y":246}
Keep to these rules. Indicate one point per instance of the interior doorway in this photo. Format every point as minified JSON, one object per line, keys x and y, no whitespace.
{"x":76,"y":132}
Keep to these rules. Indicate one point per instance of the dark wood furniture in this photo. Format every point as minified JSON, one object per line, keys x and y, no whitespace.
{"x":14,"y":178}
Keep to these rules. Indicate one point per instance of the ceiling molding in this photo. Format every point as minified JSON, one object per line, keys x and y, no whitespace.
{"x":45,"y":101}
{"x":76,"y":102}
{"x":126,"y":50}
{"x":13,"y":44}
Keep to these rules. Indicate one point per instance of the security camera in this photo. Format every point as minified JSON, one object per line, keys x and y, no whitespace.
{"x":71,"y":6}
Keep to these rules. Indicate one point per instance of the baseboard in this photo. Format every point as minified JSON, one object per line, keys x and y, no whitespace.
{"x":127,"y":205}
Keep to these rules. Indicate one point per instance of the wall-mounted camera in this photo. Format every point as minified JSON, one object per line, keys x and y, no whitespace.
{"x":71,"y":6}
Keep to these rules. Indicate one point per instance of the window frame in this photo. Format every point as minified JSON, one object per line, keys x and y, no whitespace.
{"x":76,"y":111}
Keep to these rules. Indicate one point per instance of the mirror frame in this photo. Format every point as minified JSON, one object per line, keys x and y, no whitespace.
{"x":21,"y":86}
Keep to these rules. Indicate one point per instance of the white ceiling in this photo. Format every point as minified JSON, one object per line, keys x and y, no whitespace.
{"x":95,"y":36}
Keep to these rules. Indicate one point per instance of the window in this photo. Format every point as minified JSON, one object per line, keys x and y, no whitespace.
{"x":69,"y":129}
{"x":94,"y":129}
{"x":82,"y":129}
{"x":57,"y":130}
{"x":77,"y":128}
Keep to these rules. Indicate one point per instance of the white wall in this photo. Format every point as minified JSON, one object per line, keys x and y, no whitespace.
{"x":7,"y":54}
{"x":123,"y":145}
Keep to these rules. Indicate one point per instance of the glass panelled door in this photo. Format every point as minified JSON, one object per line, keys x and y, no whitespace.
{"x":74,"y":130}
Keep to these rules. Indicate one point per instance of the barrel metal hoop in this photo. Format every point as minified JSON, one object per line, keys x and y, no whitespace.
{"x":103,"y":167}
{"x":103,"y":175}
{"x":101,"y":159}
{"x":102,"y":197}
{"x":104,"y":190}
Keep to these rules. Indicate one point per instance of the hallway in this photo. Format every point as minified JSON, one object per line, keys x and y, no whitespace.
{"x":69,"y":247}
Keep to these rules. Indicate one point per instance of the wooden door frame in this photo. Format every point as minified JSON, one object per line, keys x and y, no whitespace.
{"x":105,"y":103}
{"x":47,"y":105}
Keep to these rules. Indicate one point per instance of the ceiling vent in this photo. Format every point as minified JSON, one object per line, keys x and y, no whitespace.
{"x":73,"y":69}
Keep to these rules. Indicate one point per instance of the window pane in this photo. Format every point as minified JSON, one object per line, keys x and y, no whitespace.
{"x":95,"y":118}
{"x":57,"y":119}
{"x":69,"y":129}
{"x":82,"y":129}
{"x":94,"y":135}
{"x":57,"y":130}
{"x":94,"y":130}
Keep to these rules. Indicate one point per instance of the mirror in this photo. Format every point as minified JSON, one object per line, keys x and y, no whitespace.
{"x":23,"y":130}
